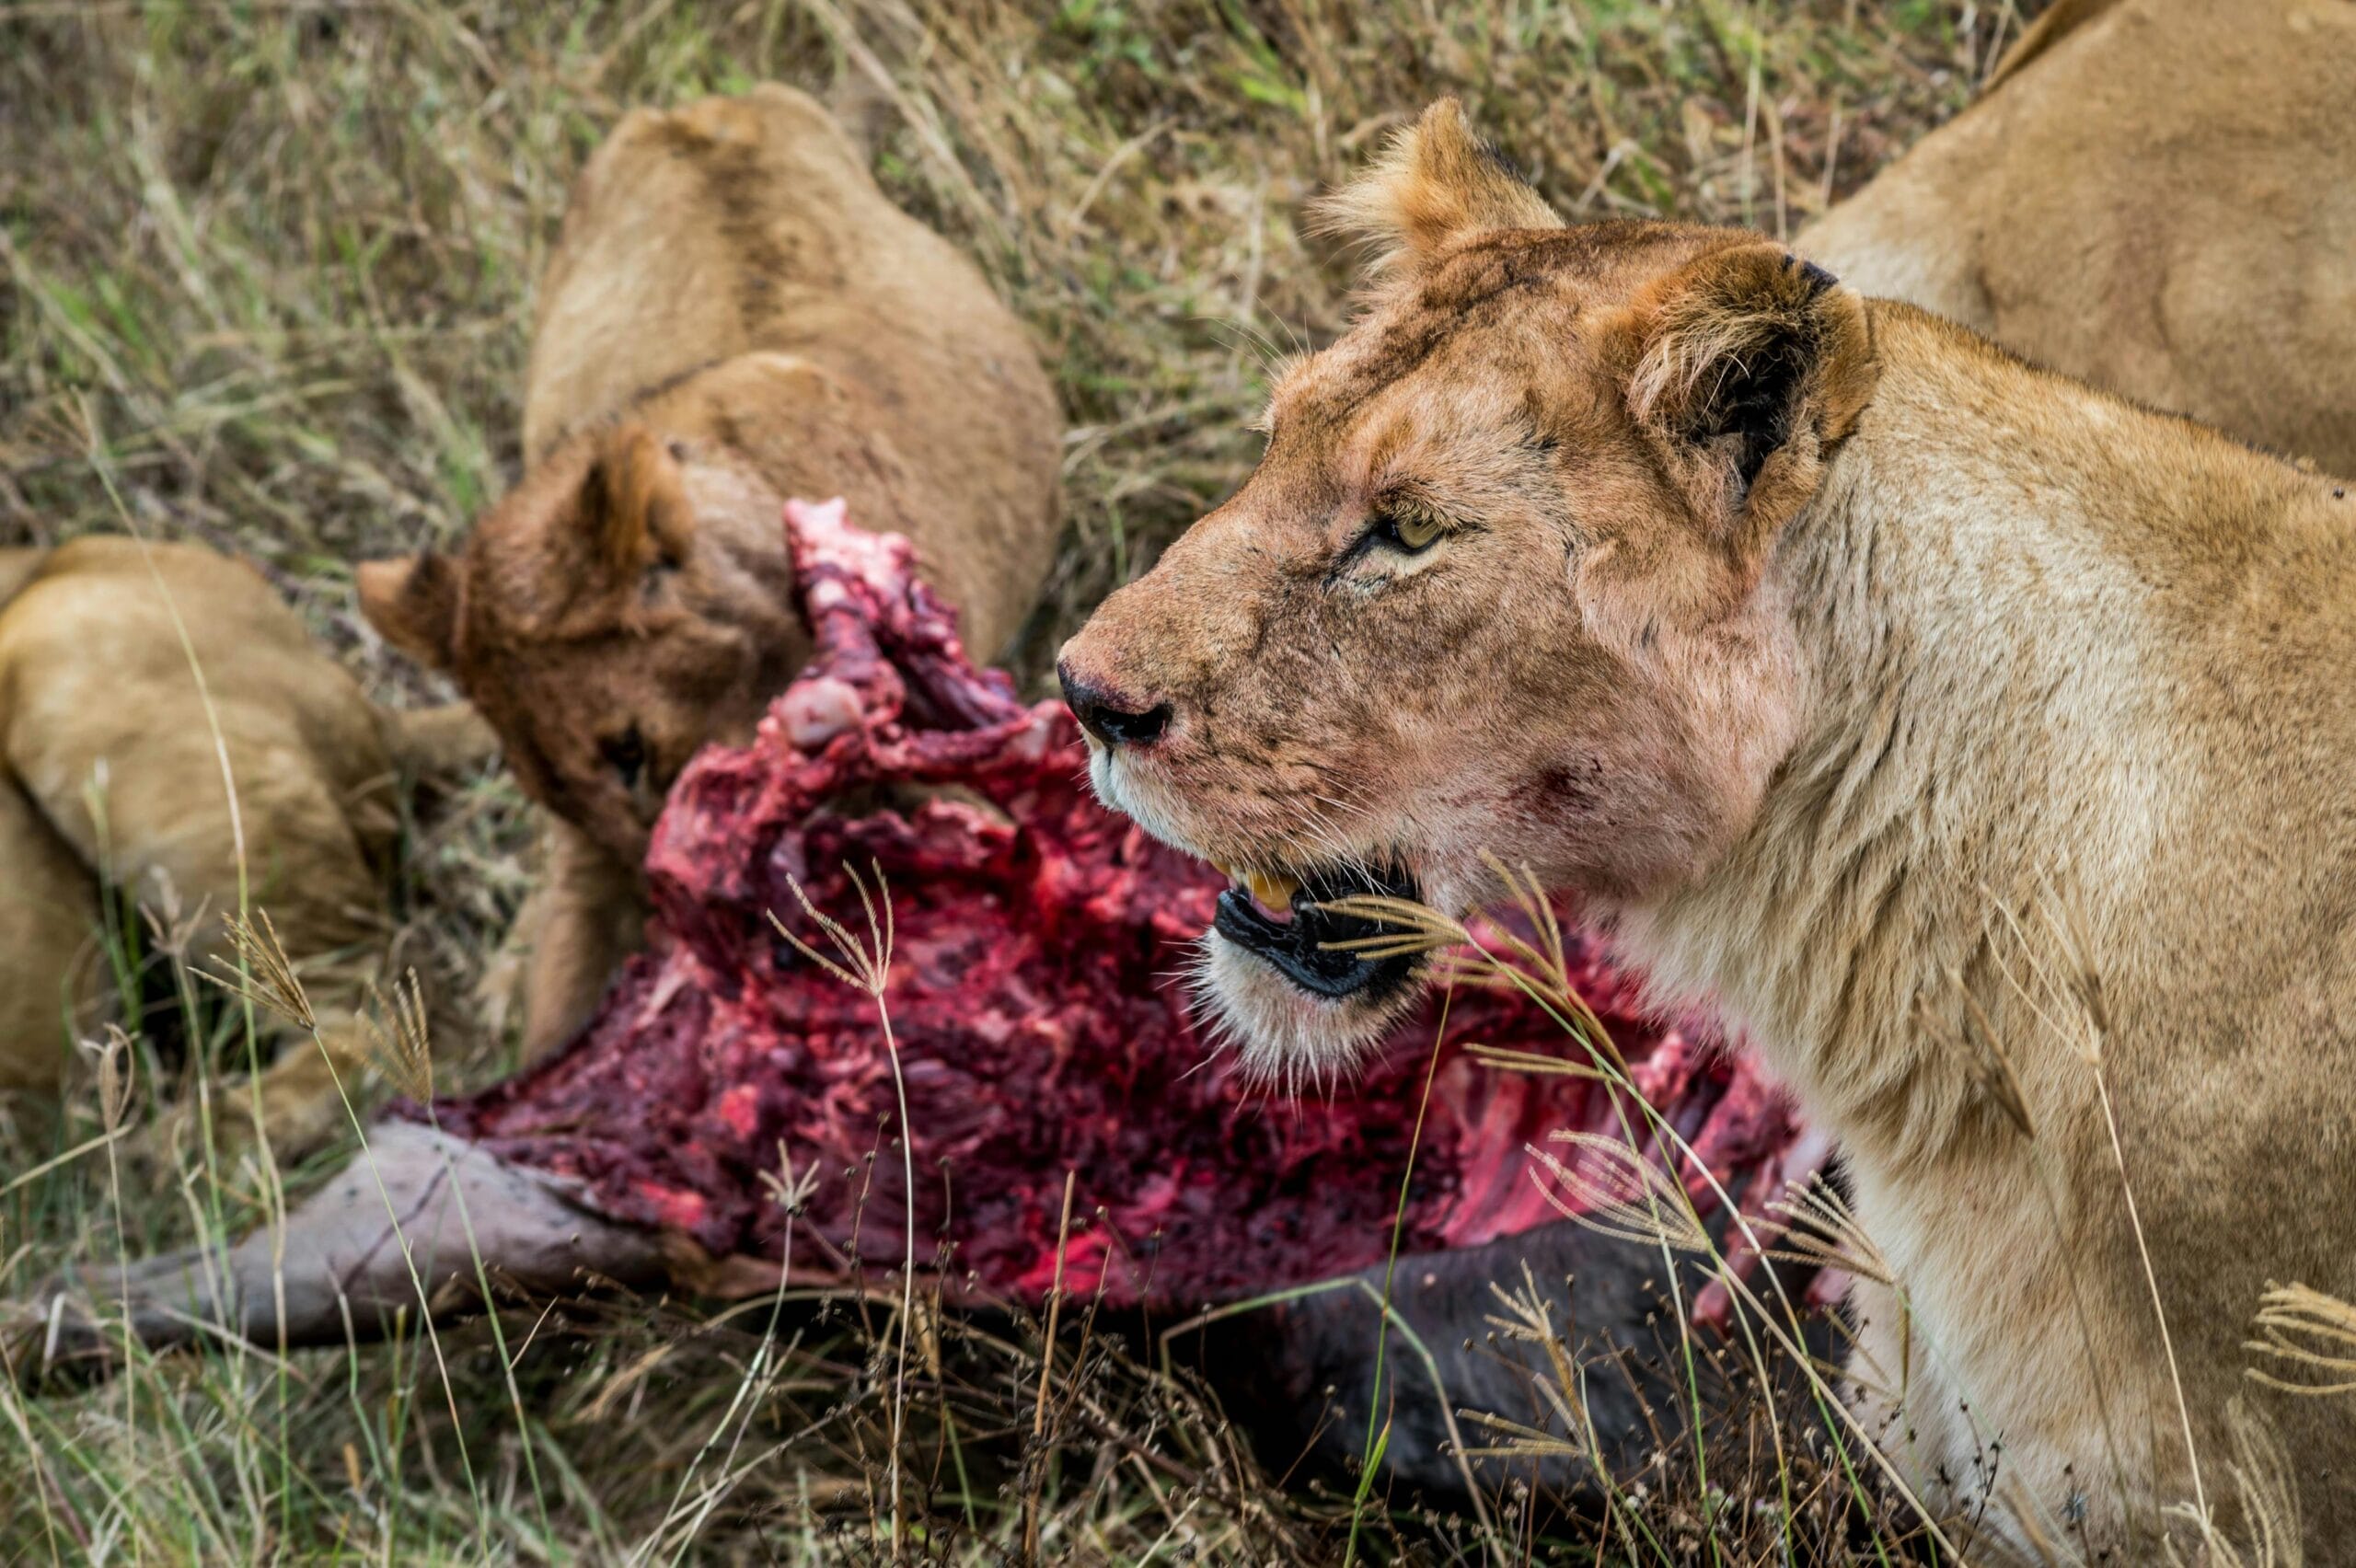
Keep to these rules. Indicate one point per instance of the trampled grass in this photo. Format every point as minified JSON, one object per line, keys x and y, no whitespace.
{"x":266,"y":276}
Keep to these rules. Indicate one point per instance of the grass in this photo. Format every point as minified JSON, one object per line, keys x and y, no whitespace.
{"x":266,"y":274}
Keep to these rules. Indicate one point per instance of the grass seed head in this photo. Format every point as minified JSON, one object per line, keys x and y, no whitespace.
{"x":264,"y":975}
{"x":2305,"y":1328}
{"x":400,"y":1043}
{"x":1615,"y":1190}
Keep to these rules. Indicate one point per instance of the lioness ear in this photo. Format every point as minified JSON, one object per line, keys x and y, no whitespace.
{"x":1748,"y":367}
{"x":634,"y":502}
{"x":1435,"y":182}
{"x":412,"y":600}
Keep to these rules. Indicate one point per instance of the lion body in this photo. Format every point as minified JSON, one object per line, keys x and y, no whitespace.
{"x":2065,"y":661}
{"x":734,"y":315}
{"x":112,"y":758}
{"x":730,"y":274}
{"x":2154,"y":196}
{"x":1974,"y":740}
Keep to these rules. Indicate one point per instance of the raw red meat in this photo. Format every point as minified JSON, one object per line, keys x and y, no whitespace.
{"x":1036,"y":996}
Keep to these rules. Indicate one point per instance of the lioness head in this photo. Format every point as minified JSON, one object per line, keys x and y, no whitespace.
{"x":1501,"y":582}
{"x":609,"y":617}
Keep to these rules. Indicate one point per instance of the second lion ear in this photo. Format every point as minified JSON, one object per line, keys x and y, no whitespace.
{"x":1436,"y":184}
{"x":412,"y":600}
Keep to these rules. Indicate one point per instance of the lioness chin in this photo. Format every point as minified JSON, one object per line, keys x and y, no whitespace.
{"x":1976,"y":742}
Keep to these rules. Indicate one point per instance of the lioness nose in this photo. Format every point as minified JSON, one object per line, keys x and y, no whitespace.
{"x":1101,"y":713}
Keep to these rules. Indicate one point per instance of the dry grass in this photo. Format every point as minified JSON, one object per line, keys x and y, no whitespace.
{"x":271,"y":266}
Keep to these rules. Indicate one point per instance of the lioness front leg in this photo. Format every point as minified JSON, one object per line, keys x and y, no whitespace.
{"x":583,"y":922}
{"x":2053,"y":1489}
{"x":402,"y":1230}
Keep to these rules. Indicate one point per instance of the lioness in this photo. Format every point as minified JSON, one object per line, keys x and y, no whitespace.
{"x":1977,"y":741}
{"x":2154,"y":195}
{"x":734,"y":315}
{"x":112,"y":759}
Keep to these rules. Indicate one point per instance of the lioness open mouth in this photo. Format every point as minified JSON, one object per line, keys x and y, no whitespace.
{"x":1285,"y":921}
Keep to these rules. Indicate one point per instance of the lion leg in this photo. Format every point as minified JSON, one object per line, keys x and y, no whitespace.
{"x":49,"y":973}
{"x":409,"y":1229}
{"x":313,"y":1080}
{"x":310,"y":1093}
{"x":438,"y":742}
{"x":589,"y":916}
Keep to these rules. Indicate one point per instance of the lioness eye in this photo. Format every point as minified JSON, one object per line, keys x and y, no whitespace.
{"x":1407,"y":531}
{"x":626,"y":755}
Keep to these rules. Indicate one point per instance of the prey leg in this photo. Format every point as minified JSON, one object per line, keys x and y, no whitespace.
{"x":398,"y":1231}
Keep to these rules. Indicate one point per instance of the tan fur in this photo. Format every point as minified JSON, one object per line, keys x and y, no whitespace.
{"x":2155,"y":196}
{"x":1988,"y":705}
{"x":108,"y":762}
{"x":734,"y":315}
{"x":2052,"y":25}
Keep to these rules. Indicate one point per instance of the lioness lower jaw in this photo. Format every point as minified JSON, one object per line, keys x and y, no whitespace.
{"x":1286,"y":974}
{"x":1286,"y":1034}
{"x":1292,"y":924}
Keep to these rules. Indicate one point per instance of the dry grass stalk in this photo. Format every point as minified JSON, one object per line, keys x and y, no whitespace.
{"x":264,"y":975}
{"x":1508,"y":1060}
{"x":2265,"y":1487}
{"x":1822,"y":1232}
{"x":1047,"y":1368}
{"x":790,"y":1189}
{"x":113,"y":1057}
{"x":1618,"y":1191}
{"x":1416,"y":928}
{"x":1980,"y":1041}
{"x":1529,"y":1319}
{"x":869,"y":968}
{"x":2304,"y":1328}
{"x":863,"y":966}
{"x":401,"y":1046}
{"x":2084,"y":981}
{"x":2067,"y":997}
{"x":1538,"y":965}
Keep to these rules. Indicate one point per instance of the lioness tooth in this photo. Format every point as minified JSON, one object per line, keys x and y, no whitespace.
{"x":1273,"y":891}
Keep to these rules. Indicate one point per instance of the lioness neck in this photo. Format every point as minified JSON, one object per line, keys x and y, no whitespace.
{"x":2019,"y":604}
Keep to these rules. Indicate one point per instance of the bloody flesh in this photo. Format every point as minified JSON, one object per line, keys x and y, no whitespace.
{"x":1036,"y":997}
